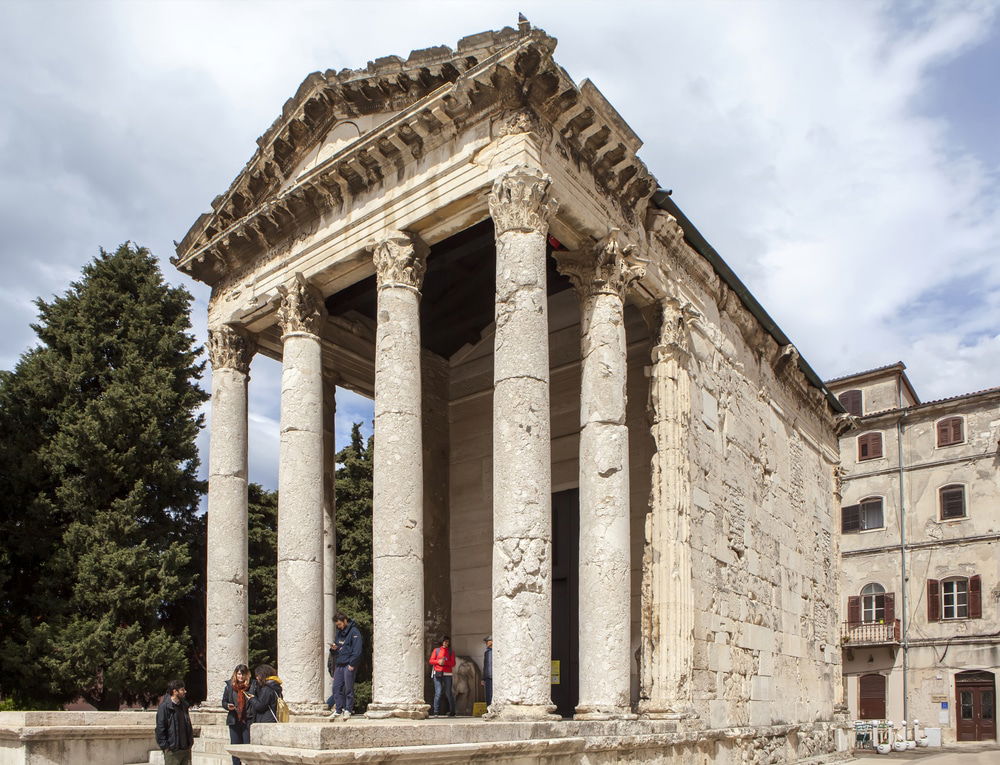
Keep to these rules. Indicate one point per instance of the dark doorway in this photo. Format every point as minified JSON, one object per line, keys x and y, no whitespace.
{"x":975,"y":706}
{"x":565,"y":599}
{"x":871,"y":697}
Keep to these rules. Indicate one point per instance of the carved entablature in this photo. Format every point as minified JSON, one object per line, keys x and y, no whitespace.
{"x":400,"y":260}
{"x":301,"y":309}
{"x":509,"y":75}
{"x":230,"y":348}
{"x":520,"y":201}
{"x":610,"y":267}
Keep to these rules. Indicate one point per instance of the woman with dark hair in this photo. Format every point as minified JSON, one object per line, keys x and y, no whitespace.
{"x":442,"y":662}
{"x":234,"y":701}
{"x":264,"y":695}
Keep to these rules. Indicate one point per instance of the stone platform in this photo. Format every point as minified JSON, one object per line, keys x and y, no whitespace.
{"x":530,"y":743}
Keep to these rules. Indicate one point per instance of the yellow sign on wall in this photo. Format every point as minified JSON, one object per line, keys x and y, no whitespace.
{"x":555,"y":672}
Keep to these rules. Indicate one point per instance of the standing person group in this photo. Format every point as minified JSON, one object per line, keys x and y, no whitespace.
{"x":342,"y":664}
{"x":248,"y":702}
{"x":442,"y":663}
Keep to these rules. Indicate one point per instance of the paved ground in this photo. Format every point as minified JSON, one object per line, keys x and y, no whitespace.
{"x":966,"y":755}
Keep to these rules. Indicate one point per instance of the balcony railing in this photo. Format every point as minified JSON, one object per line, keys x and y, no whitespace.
{"x":869,"y":633}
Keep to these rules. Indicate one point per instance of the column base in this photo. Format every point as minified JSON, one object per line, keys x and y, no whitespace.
{"x":521,"y":712}
{"x":307,"y":709}
{"x":652,"y":711}
{"x":408,"y":710}
{"x":604,"y":713}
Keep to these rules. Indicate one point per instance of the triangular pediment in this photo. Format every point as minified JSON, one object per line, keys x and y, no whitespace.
{"x":345,"y":134}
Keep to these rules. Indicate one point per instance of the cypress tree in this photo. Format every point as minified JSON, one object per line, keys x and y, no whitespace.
{"x":354,"y":547}
{"x":99,"y":510}
{"x":263,"y":574}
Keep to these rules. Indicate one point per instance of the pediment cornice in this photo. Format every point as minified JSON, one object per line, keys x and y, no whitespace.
{"x":503,"y":72}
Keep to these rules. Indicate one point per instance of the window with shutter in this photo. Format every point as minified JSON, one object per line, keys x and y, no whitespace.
{"x":870,"y":511}
{"x":890,"y":607}
{"x":933,"y":600}
{"x":872,"y":603}
{"x":869,"y":446}
{"x":950,"y":431}
{"x":975,"y":597}
{"x":851,"y":401}
{"x":952,"y":501}
{"x":850,"y":519}
{"x":854,"y":609}
{"x":955,"y":598}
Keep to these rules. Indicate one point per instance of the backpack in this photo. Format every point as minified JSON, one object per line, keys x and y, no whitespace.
{"x":281,"y":710}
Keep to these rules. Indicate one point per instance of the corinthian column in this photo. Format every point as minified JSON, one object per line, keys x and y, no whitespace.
{"x":301,"y":501}
{"x":601,"y":277}
{"x":667,"y":596}
{"x":230,"y":353}
{"x":522,"y":481}
{"x":398,"y":657}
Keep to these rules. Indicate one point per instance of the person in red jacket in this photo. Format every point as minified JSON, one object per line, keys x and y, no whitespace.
{"x":442,"y":662}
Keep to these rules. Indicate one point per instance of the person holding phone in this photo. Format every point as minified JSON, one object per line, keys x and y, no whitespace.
{"x":442,"y":662}
{"x":234,"y":701}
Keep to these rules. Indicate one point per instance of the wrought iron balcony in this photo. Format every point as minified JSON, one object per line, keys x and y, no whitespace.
{"x":869,"y":633}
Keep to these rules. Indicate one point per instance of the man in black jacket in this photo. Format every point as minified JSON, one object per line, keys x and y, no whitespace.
{"x":345,"y":655}
{"x":174,"y":734}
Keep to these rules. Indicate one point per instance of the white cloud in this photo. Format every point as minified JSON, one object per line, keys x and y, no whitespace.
{"x":801,"y":138}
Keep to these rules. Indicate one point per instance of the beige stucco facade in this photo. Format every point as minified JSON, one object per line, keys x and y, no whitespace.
{"x":469,"y":237}
{"x":922,"y":656}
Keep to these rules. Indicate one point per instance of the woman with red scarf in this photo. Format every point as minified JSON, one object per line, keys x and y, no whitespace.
{"x":234,"y":701}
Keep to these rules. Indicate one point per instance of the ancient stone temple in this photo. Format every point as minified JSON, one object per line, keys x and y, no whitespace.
{"x":590,"y":440}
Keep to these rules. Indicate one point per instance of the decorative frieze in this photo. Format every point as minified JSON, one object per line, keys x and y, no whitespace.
{"x":520,"y":201}
{"x":301,"y":309}
{"x":230,"y":348}
{"x":400,"y":260}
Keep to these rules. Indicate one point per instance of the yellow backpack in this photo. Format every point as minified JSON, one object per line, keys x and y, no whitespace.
{"x":281,"y":713}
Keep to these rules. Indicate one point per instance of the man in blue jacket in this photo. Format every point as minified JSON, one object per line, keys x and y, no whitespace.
{"x":345,"y":655}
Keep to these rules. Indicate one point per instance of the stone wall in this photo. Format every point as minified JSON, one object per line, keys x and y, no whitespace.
{"x":763,"y":515}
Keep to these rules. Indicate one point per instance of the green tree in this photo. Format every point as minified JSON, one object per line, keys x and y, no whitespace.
{"x":98,"y":427}
{"x":354,"y":547}
{"x":263,"y":572}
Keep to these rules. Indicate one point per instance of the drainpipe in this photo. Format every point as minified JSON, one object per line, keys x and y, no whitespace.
{"x":904,"y":600}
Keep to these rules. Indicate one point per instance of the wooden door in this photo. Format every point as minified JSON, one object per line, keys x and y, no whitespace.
{"x":871,"y":697}
{"x":975,"y":707}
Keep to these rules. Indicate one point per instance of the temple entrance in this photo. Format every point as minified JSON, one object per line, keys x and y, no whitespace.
{"x":975,"y":706}
{"x":565,"y":599}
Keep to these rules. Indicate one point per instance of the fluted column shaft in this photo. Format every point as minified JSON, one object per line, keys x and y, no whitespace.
{"x":397,"y":517}
{"x":301,"y":658}
{"x":226,"y":616}
{"x":522,"y":504}
{"x":667,"y":594}
{"x":601,"y":276}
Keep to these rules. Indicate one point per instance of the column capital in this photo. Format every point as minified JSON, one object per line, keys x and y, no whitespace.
{"x":301,"y":308}
{"x":400,"y":260}
{"x":672,"y":338}
{"x":230,"y":348}
{"x":609,"y":267}
{"x":520,"y":201}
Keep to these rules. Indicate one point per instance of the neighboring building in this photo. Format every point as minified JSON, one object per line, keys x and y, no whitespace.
{"x":920,"y":622}
{"x":590,"y":440}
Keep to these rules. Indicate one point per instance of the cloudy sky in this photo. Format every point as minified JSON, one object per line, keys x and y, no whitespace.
{"x":841,"y":156}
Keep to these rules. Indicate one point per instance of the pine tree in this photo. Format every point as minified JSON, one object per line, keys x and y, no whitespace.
{"x":98,"y":425}
{"x":263,"y":572}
